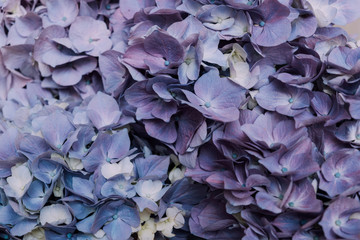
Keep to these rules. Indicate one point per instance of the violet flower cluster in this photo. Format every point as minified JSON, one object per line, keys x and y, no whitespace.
{"x":179,"y":119}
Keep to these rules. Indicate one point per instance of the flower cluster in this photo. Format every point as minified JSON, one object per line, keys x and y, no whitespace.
{"x":179,"y":119}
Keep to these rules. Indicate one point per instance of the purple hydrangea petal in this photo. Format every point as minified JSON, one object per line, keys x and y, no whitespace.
{"x":103,"y":111}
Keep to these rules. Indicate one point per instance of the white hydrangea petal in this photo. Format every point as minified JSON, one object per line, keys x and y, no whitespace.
{"x":20,"y":179}
{"x":55,"y":214}
{"x":109,"y":170}
{"x":148,"y":189}
{"x":323,"y":12}
{"x":36,"y":234}
{"x":179,"y":221}
{"x":177,"y":216}
{"x":99,"y":234}
{"x":125,"y":167}
{"x":146,"y":234}
{"x":74,"y":164}
{"x":176,"y":174}
{"x":165,"y":225}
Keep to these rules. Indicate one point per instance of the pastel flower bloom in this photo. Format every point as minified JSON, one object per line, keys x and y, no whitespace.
{"x":174,"y":219}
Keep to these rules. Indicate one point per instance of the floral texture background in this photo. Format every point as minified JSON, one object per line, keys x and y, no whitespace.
{"x":179,"y":119}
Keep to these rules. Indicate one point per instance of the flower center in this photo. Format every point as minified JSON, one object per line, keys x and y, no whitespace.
{"x":281,"y":197}
{"x":166,"y":63}
{"x":188,"y":61}
{"x":64,"y":19}
{"x":207,"y":105}
{"x":108,"y":7}
{"x":284,"y":170}
{"x":108,"y":159}
{"x":337,"y":175}
{"x":338,"y":222}
{"x":291,"y":204}
{"x":69,"y":235}
{"x":234,"y":155}
{"x":115,"y":216}
{"x":358,"y":136}
{"x":291,"y":100}
{"x":262,"y":23}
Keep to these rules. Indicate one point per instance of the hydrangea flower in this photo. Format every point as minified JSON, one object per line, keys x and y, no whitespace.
{"x":271,"y":24}
{"x":282,"y":98}
{"x":89,"y":35}
{"x":339,"y":172}
{"x":150,"y":192}
{"x":212,"y":101}
{"x":61,"y":13}
{"x":153,"y":98}
{"x":341,"y":219}
{"x":174,"y":219}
